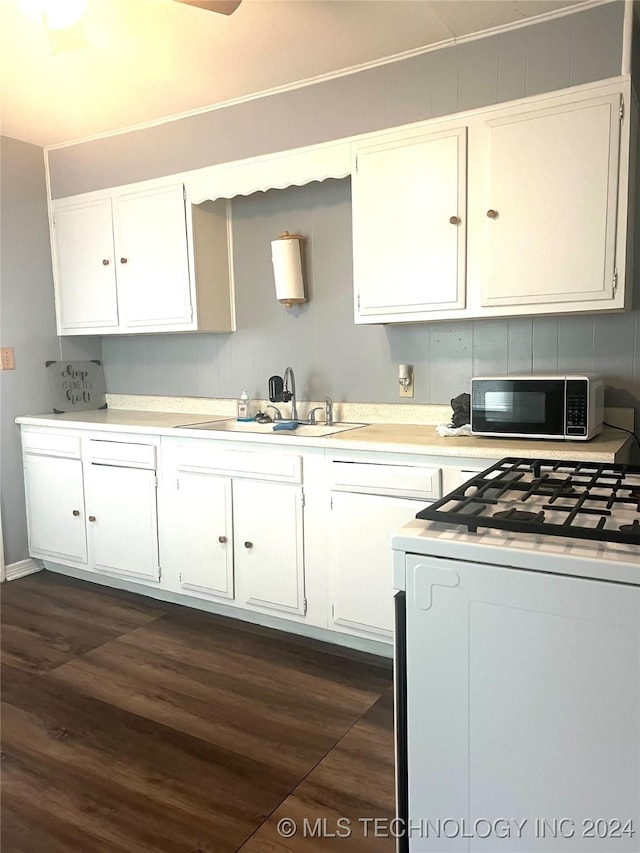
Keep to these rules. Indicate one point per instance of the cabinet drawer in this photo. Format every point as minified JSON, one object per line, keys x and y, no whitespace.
{"x":51,"y":444}
{"x":378,"y":479}
{"x":122,"y":453}
{"x":198,"y":456}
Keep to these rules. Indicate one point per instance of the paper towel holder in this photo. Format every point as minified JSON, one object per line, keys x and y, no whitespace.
{"x":286,"y":255}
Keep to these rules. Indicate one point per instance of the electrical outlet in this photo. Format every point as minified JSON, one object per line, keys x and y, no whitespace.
{"x":7,"y":359}
{"x":407,"y":390}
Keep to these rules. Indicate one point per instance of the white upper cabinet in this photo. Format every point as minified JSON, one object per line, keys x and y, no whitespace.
{"x":534,"y":195}
{"x":134,"y":261}
{"x":85,"y":269}
{"x":150,"y":235}
{"x":550,"y":205}
{"x":409,"y":223}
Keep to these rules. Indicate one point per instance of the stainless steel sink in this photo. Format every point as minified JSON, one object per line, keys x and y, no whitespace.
{"x":303,"y":429}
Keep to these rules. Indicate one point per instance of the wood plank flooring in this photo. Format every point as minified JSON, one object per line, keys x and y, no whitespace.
{"x":131,"y":726}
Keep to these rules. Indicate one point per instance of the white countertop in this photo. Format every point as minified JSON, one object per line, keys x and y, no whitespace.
{"x":610,"y":446}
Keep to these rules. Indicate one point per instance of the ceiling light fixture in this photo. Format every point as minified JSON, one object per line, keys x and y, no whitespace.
{"x":53,"y":14}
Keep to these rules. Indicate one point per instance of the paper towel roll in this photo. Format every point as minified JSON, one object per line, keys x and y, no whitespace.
{"x":286,"y":254}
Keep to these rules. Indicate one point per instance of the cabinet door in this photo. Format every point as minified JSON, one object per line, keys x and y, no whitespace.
{"x":360,"y":556}
{"x":122,"y":520}
{"x":55,"y":508}
{"x":409,"y":224}
{"x":85,"y":268}
{"x":550,"y":205}
{"x":204,"y":521}
{"x":152,"y":260}
{"x":269,"y":559}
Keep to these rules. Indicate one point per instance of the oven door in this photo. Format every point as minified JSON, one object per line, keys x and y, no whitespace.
{"x":533,"y":408}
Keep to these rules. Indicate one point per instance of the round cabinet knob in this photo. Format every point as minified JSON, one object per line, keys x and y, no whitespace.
{"x":92,"y":518}
{"x":454,"y":220}
{"x":222,"y":539}
{"x":492,"y":214}
{"x":123,"y":260}
{"x":248,"y":545}
{"x":76,"y":512}
{"x":105,"y":262}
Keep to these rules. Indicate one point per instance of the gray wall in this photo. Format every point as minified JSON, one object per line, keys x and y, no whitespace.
{"x":578,"y":48}
{"x":27,"y":322}
{"x":357,"y":363}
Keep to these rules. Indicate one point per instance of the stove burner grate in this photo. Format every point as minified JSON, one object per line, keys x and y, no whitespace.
{"x":582,"y":490}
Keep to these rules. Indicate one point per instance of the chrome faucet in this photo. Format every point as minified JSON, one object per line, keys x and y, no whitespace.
{"x":277,"y":414}
{"x":290,"y":395}
{"x":328,"y":410}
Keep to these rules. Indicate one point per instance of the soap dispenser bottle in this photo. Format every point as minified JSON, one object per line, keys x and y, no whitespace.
{"x":243,"y":407}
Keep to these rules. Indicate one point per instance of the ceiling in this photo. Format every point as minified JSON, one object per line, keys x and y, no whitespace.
{"x":145,"y":60}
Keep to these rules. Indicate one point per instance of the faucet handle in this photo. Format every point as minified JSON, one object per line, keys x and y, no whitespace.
{"x":328,"y":408}
{"x":277,"y":416}
{"x":311,"y":417}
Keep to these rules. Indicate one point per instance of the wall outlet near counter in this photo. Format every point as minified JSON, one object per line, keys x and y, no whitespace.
{"x":7,"y":358}
{"x":405,"y":379}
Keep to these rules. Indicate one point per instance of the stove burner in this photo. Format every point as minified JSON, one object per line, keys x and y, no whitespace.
{"x":519,"y":515}
{"x":553,"y":484}
{"x":634,"y":494}
{"x":633,"y":528}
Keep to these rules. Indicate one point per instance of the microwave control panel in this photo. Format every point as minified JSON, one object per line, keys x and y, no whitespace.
{"x":577,"y":406}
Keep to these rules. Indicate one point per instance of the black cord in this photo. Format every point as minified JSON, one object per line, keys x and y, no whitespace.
{"x":635,"y":435}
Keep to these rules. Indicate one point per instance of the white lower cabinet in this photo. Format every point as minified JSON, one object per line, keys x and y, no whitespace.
{"x":269,"y":557}
{"x":122,"y":520}
{"x":230,"y":530}
{"x":369,"y":501}
{"x":360,"y":559}
{"x":91,"y":503}
{"x":202,"y":525}
{"x":54,"y":493}
{"x":229,"y":524}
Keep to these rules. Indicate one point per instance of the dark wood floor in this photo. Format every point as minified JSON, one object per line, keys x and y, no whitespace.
{"x":131,"y":726}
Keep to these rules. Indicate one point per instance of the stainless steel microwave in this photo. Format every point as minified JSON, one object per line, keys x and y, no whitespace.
{"x":556,"y":407}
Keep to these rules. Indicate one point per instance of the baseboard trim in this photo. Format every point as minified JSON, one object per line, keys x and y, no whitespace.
{"x":22,"y":568}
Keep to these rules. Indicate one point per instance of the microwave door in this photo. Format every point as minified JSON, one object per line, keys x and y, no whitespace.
{"x":526,"y":407}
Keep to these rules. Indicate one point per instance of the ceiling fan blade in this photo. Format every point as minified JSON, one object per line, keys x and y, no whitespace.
{"x":224,"y":7}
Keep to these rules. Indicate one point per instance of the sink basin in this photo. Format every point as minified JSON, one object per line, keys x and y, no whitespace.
{"x":304,"y":429}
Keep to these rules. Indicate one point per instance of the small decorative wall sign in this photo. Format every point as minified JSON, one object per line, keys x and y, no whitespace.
{"x":76,"y":386}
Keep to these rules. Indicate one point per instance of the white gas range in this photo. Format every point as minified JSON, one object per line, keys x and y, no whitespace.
{"x":518,"y":663}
